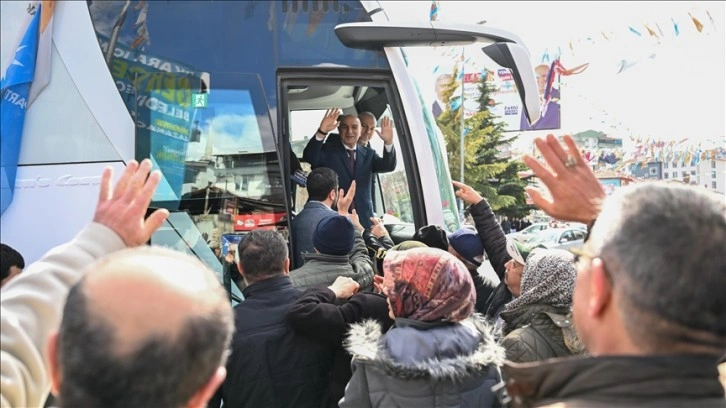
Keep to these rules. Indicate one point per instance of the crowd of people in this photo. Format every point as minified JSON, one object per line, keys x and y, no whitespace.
{"x":634,"y":318}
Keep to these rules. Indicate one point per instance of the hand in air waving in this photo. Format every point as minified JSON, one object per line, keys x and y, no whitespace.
{"x":123,"y":207}
{"x":330,"y":120}
{"x":576,"y":193}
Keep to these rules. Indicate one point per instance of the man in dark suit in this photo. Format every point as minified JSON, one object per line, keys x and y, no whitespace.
{"x":322,"y":188}
{"x":351,"y":161}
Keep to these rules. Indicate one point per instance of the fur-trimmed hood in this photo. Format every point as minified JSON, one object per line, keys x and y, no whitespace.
{"x":453,"y":352}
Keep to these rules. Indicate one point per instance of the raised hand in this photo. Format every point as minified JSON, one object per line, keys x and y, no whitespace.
{"x":353,"y":217}
{"x":123,"y":208}
{"x":344,"y":287}
{"x":330,"y":120}
{"x":378,"y":283}
{"x":467,"y":193}
{"x":377,"y":228}
{"x":576,"y":193}
{"x":386,"y":133}
{"x":346,"y":199}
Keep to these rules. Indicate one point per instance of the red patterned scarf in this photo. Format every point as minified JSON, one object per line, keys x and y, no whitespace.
{"x":428,"y":284}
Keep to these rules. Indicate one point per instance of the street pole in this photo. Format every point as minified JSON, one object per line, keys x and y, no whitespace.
{"x":461,"y":146}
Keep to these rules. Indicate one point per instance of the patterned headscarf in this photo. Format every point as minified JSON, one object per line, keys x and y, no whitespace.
{"x":428,"y":284}
{"x":548,"y":278}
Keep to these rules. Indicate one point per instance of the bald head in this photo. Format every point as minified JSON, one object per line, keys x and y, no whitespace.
{"x":160,"y":288}
{"x":152,"y":317}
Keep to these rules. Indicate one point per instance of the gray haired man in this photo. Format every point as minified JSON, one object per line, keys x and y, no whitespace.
{"x":649,"y":299}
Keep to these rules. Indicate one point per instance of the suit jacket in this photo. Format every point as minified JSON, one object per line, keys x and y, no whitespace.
{"x":303,"y":227}
{"x":367,"y":162}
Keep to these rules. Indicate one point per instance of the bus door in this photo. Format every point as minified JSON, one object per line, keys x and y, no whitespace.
{"x":211,"y":136}
{"x":306,"y":94}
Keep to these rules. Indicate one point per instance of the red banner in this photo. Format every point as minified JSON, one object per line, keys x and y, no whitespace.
{"x":249,"y":222}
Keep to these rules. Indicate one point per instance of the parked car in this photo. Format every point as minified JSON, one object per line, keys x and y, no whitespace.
{"x":529,"y":232}
{"x":560,"y":238}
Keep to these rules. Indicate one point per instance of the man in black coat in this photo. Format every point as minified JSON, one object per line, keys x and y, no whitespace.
{"x":271,"y":365}
{"x":318,"y":313}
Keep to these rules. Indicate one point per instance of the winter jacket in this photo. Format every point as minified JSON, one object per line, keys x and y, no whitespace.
{"x":423,"y":365}
{"x":317,"y":315}
{"x":31,"y":307}
{"x":272,"y":365}
{"x":616,"y":381}
{"x":495,"y":246}
{"x":322,"y":269}
{"x":537,"y":332}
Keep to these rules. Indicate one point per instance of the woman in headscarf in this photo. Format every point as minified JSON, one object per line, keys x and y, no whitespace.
{"x":437,"y":353}
{"x":537,"y":324}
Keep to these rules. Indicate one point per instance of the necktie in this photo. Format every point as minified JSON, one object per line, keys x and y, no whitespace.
{"x":351,"y":167}
{"x":351,"y":161}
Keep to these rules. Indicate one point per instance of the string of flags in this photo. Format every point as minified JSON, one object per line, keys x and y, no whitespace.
{"x":647,"y":31}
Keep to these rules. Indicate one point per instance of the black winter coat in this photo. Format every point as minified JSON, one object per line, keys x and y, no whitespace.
{"x":495,"y":246}
{"x":616,"y":381}
{"x":317,"y":315}
{"x":272,"y":365}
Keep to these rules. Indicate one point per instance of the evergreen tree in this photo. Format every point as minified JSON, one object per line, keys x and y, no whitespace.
{"x":485,"y":169}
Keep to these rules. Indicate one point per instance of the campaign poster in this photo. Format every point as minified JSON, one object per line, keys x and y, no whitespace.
{"x":507,"y":106}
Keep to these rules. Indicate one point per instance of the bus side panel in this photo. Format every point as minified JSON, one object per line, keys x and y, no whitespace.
{"x":50,"y":205}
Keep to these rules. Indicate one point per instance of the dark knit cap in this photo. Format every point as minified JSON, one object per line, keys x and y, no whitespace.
{"x":468,"y":244}
{"x":334,"y":235}
{"x":433,"y":236}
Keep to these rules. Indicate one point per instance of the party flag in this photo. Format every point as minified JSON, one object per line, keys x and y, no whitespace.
{"x":434,"y":12}
{"x":697,"y":23}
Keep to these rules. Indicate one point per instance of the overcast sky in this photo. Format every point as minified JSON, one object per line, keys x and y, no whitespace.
{"x":678,"y":92}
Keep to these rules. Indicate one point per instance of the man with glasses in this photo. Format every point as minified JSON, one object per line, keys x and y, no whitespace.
{"x":649,"y":301}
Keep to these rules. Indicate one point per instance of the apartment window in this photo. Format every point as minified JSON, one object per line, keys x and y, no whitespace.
{"x":713,"y":173}
{"x":713,"y":185}
{"x":675,"y":164}
{"x":665,"y":165}
{"x":675,"y":174}
{"x":684,"y":174}
{"x":713,"y":164}
{"x":665,"y":176}
{"x":693,"y":172}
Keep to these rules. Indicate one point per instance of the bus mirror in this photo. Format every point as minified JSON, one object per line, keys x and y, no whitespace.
{"x":516,"y":58}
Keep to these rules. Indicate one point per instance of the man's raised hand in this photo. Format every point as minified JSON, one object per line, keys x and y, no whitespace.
{"x":330,"y":120}
{"x":123,"y":207}
{"x":386,"y":132}
{"x":346,"y":199}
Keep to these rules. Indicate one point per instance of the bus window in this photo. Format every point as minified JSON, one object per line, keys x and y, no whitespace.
{"x":221,"y":174}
